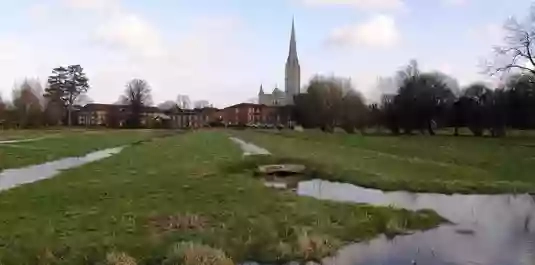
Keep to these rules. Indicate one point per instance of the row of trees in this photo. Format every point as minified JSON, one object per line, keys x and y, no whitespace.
{"x":423,"y":102}
{"x":427,"y":100}
{"x":31,"y":106}
{"x":331,"y":102}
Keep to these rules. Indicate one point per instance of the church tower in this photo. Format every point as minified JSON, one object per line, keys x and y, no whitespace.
{"x":293,"y":70}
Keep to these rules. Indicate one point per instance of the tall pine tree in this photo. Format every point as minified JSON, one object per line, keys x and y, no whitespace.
{"x":67,"y":84}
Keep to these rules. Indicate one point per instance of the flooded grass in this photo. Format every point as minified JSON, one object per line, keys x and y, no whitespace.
{"x":482,"y":227}
{"x":61,"y":144}
{"x":144,"y":200}
{"x":419,"y":163}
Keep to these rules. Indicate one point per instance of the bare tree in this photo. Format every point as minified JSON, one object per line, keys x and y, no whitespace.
{"x":54,"y":111}
{"x":2,"y":110}
{"x":516,"y":53}
{"x":27,"y":105}
{"x":325,"y":95}
{"x":183,"y":101}
{"x":137,"y":95}
{"x":354,"y":112}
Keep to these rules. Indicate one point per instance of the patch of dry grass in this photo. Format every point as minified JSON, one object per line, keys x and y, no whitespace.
{"x":120,"y":258}
{"x":314,"y":247}
{"x":178,"y":222}
{"x":190,"y":253}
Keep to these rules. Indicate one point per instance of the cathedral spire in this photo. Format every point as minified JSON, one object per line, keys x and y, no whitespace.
{"x":293,"y":70}
{"x":293,"y":45}
{"x":261,"y":90}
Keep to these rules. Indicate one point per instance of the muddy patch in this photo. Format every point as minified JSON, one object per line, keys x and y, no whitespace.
{"x":178,"y":222}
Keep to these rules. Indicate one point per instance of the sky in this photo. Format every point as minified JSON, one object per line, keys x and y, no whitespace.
{"x":222,"y":50}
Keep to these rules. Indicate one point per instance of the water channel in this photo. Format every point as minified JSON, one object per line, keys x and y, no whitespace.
{"x":11,"y":178}
{"x":487,"y":229}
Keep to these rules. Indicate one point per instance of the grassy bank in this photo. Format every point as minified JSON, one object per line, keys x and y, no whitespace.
{"x":60,"y":144}
{"x":443,"y":164}
{"x":153,"y":196}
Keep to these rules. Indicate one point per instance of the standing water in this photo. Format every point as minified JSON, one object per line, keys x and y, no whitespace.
{"x":249,"y":148}
{"x":14,"y":177}
{"x":487,"y":229}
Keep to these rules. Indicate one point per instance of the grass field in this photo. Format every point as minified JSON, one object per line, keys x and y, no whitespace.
{"x":172,"y":197}
{"x":24,"y":134}
{"x":416,"y":163}
{"x":58,"y":144}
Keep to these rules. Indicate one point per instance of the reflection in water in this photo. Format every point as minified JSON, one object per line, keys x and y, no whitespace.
{"x":14,"y":177}
{"x":488,"y":229}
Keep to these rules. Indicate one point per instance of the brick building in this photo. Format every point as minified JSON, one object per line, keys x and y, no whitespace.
{"x":250,"y":113}
{"x":192,"y":118}
{"x":112,"y":115}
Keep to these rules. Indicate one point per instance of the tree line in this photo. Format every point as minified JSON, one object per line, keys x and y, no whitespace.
{"x":425,"y":101}
{"x":32,"y":106}
{"x":66,"y":89}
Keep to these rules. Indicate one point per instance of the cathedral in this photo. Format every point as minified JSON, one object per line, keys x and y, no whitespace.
{"x":292,"y":80}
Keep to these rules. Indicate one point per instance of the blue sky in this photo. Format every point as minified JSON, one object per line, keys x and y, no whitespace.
{"x":222,"y":50}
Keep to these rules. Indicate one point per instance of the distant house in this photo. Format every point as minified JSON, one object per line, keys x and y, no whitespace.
{"x":193,"y":118}
{"x":111,"y":115}
{"x":250,"y":113}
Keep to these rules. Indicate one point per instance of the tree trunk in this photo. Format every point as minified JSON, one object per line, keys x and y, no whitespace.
{"x":69,"y":120}
{"x":430,"y":127}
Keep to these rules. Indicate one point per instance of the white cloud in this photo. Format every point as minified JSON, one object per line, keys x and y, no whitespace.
{"x":378,"y":32}
{"x":93,"y":4}
{"x":359,"y":4}
{"x":130,"y":33}
{"x":38,"y":11}
{"x":114,"y":45}
{"x":455,"y":2}
{"x":489,"y":33}
{"x":208,"y":48}
{"x":445,"y":68}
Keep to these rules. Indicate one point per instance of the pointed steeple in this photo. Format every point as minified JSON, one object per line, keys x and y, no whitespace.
{"x":292,"y":82}
{"x":293,"y":45}
{"x":261,"y":90}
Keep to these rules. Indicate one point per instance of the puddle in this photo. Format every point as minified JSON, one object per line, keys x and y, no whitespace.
{"x":488,"y":229}
{"x":14,"y":177}
{"x":249,"y":148}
